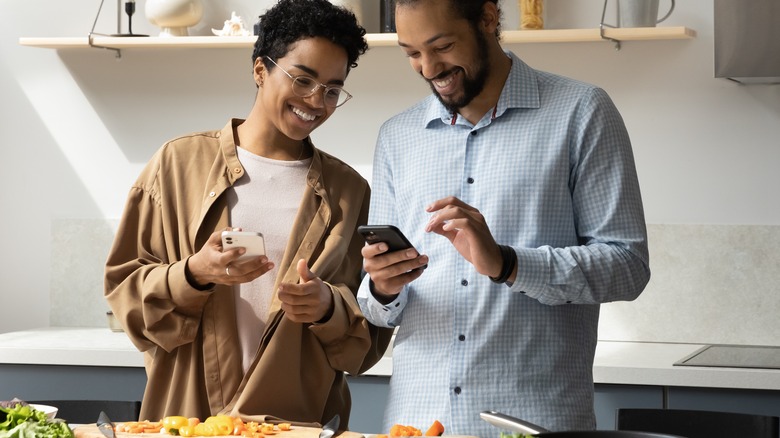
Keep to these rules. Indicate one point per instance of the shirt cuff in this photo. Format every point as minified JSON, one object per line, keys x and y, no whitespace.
{"x":378,"y":313}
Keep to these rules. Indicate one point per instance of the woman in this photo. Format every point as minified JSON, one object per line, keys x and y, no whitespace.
{"x":272,"y":335}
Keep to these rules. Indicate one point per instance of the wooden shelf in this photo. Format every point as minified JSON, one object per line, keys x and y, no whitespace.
{"x":374,"y":39}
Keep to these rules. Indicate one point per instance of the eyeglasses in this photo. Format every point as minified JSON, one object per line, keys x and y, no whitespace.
{"x":305,"y":86}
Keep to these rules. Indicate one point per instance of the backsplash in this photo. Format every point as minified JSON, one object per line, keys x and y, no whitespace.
{"x":715,"y":284}
{"x":710,"y":284}
{"x":79,"y":250}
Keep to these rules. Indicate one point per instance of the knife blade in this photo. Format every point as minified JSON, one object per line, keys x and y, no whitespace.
{"x":330,"y":428}
{"x":105,"y":425}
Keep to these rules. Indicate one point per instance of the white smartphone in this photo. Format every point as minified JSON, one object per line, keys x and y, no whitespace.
{"x":251,"y":240}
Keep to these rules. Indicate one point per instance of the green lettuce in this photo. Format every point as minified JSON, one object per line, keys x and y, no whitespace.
{"x":22,"y":421}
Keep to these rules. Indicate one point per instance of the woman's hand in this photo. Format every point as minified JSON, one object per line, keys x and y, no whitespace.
{"x":212,"y":265}
{"x":311,"y":300}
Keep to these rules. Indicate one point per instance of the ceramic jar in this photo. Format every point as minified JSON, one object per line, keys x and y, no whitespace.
{"x":173,"y":17}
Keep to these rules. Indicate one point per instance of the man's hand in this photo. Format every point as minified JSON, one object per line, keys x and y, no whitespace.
{"x":466,"y":229}
{"x":390,"y":272}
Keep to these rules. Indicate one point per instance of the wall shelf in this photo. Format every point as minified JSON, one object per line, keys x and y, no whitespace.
{"x":374,"y":39}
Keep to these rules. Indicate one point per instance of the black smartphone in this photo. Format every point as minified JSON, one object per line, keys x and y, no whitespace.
{"x":389,"y":234}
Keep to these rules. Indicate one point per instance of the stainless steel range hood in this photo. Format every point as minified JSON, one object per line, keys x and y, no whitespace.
{"x":747,"y":41}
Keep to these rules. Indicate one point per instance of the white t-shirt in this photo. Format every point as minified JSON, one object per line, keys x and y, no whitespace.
{"x":266,"y":199}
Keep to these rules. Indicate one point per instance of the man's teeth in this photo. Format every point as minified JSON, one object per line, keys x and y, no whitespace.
{"x":303,"y":115}
{"x":443,"y":83}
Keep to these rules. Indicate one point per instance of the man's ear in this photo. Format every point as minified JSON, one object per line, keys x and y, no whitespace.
{"x":490,"y":17}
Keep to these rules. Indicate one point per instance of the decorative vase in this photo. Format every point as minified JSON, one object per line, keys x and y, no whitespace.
{"x":173,"y":17}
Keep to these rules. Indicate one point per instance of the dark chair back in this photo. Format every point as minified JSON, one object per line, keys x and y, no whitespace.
{"x":87,"y":411}
{"x":698,"y":424}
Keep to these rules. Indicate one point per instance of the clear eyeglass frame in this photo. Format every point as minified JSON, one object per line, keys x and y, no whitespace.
{"x":306,"y":86}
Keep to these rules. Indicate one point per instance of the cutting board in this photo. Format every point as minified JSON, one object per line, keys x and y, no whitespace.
{"x":92,"y":431}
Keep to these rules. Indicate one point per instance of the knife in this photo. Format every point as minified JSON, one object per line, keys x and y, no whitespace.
{"x":330,"y":428}
{"x":506,"y":422}
{"x":105,"y":425}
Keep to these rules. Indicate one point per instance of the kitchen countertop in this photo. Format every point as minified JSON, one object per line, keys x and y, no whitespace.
{"x":627,"y":363}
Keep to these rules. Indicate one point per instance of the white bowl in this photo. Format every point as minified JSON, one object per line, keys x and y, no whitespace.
{"x":50,"y":411}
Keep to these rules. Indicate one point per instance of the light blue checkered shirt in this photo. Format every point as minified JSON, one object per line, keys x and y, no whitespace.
{"x":552,"y":171}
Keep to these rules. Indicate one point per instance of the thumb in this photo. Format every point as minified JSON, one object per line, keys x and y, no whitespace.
{"x":304,"y":272}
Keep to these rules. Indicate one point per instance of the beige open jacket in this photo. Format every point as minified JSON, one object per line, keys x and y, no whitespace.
{"x":189,"y":337}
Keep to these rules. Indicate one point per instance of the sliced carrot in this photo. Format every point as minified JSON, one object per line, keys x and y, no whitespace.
{"x":436,"y":429}
{"x":285,"y":426}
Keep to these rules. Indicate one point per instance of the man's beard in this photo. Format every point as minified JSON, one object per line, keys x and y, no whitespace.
{"x":471,"y":87}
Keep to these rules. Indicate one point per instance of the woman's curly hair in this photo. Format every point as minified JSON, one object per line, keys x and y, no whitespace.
{"x":292,"y":20}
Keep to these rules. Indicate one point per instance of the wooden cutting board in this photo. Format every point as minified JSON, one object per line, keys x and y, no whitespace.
{"x":92,"y":431}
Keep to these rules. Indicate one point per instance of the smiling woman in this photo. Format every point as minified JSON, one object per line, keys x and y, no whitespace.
{"x":221,"y":332}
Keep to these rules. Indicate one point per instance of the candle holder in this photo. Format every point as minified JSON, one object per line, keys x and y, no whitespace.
{"x":129,"y":10}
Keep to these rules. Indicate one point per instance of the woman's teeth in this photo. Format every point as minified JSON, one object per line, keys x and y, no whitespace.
{"x":305,"y":116}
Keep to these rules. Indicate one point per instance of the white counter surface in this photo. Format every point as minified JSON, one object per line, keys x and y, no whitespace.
{"x":628,"y":363}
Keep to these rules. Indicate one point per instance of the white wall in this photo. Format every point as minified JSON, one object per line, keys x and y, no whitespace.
{"x":79,"y":124}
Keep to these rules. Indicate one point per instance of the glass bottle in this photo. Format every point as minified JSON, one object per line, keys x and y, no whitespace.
{"x":387,"y":16}
{"x":531,"y":14}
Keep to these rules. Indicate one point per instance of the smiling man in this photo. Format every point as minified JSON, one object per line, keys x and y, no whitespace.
{"x":518,"y":188}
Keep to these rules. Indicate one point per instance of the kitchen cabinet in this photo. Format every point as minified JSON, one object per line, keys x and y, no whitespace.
{"x":68,"y":382}
{"x":374,"y":39}
{"x":756,"y":401}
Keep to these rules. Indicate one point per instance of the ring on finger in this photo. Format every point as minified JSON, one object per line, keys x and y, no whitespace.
{"x":227,"y":270}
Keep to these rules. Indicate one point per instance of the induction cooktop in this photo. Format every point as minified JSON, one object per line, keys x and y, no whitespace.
{"x":733,"y":356}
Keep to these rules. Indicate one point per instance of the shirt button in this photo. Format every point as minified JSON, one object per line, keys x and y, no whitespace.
{"x":464,"y":282}
{"x":470,"y":180}
{"x":237,"y":170}
{"x":457,"y":390}
{"x":461,"y":338}
{"x":473,"y":133}
{"x":212,"y":194}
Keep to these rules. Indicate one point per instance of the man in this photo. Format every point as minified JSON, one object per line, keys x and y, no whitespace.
{"x":518,"y":188}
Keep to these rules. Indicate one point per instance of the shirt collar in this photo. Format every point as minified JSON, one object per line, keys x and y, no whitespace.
{"x":521,"y":90}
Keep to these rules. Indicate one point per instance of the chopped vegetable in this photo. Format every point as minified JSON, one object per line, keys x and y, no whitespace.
{"x":436,"y":429}
{"x":172,"y":424}
{"x":401,"y":430}
{"x":217,"y":425}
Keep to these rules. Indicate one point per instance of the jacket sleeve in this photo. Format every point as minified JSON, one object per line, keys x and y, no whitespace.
{"x":145,"y":284}
{"x":352,"y":343}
